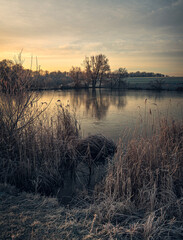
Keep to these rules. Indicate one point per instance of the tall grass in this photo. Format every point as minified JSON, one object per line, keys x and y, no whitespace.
{"x":35,"y":148}
{"x":36,"y":157}
{"x":149,"y":171}
{"x":39,"y":151}
{"x":141,"y":196}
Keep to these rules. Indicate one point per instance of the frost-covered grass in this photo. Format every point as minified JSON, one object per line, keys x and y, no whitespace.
{"x":141,"y":197}
{"x":167,"y":83}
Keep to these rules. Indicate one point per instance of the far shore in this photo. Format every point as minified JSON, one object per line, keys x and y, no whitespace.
{"x":129,"y":83}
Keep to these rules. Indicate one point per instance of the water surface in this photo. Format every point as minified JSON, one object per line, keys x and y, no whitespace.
{"x":110,"y":113}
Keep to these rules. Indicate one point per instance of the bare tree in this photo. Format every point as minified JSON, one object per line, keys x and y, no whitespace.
{"x":157,"y":84}
{"x":118,"y":78}
{"x":77,"y":75}
{"x":96,"y":67}
{"x":16,"y":98}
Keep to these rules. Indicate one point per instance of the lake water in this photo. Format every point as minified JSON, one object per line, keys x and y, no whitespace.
{"x":111,"y":113}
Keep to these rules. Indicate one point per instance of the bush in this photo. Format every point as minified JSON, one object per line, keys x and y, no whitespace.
{"x":157,"y":84}
{"x":35,"y":149}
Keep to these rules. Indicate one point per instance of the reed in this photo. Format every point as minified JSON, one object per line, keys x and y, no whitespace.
{"x":35,"y":158}
{"x":149,"y":171}
{"x":141,"y":196}
{"x":35,"y":148}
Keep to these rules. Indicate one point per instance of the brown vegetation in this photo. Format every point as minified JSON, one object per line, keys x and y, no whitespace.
{"x":149,"y":172}
{"x":39,"y":152}
{"x":35,"y":149}
{"x":95,"y":73}
{"x":140,"y":198}
{"x":96,"y":68}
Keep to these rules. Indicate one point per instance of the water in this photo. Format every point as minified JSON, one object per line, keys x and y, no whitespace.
{"x":111,"y":113}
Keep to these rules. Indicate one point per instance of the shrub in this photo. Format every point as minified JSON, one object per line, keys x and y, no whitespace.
{"x":35,"y":149}
{"x":157,"y":84}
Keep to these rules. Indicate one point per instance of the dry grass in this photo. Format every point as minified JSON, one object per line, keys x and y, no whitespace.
{"x":28,"y":216}
{"x":40,"y":152}
{"x":145,"y":179}
{"x":35,"y":158}
{"x":35,"y":148}
{"x":141,"y":197}
{"x":96,"y":147}
{"x":43,"y":155}
{"x":149,"y":171}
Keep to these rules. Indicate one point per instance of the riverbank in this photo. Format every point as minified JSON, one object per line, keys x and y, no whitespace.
{"x":139,"y":198}
{"x":29,"y":216}
{"x":131,"y":83}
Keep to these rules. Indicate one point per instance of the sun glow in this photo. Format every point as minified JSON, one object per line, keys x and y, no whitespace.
{"x":60,"y":34}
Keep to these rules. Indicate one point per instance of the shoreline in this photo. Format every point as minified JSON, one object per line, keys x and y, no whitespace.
{"x":129,"y":83}
{"x":179,"y":89}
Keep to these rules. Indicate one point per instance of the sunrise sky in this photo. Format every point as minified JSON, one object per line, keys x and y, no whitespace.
{"x":144,"y":35}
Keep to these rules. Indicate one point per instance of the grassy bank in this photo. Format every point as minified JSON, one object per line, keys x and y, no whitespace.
{"x":43,"y":153}
{"x":141,"y":197}
{"x":27,"y":216}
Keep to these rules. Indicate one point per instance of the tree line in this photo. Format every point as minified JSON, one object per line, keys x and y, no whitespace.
{"x":95,"y":72}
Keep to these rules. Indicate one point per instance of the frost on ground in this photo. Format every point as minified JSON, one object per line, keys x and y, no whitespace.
{"x":28,"y":216}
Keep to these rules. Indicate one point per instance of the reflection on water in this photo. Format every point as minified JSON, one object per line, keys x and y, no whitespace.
{"x":111,"y":112}
{"x":96,"y":103}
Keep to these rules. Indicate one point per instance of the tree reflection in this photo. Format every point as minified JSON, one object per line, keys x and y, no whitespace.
{"x":118,"y":98}
{"x":96,"y":102}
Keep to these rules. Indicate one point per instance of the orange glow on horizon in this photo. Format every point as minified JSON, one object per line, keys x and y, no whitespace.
{"x":65,"y":62}
{"x":139,"y":36}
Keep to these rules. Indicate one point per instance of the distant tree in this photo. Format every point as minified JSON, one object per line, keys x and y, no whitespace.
{"x":45,"y":80}
{"x":13,"y":77}
{"x":157,"y":84}
{"x":118,"y":78}
{"x":5,"y":71}
{"x":95,"y":68}
{"x":145,"y":74}
{"x":77,"y":76}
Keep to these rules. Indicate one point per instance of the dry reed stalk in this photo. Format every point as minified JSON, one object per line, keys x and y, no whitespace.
{"x":149,"y":171}
{"x":35,"y":149}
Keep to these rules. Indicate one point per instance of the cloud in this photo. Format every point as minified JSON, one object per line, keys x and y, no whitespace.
{"x":83,"y":27}
{"x":167,"y":16}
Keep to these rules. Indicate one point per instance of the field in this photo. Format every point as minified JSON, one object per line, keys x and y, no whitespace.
{"x":167,"y":83}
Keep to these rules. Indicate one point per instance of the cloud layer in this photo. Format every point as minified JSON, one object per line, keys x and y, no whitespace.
{"x":145,"y":34}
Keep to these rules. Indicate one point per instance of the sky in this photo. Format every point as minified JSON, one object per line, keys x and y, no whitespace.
{"x":140,"y":35}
